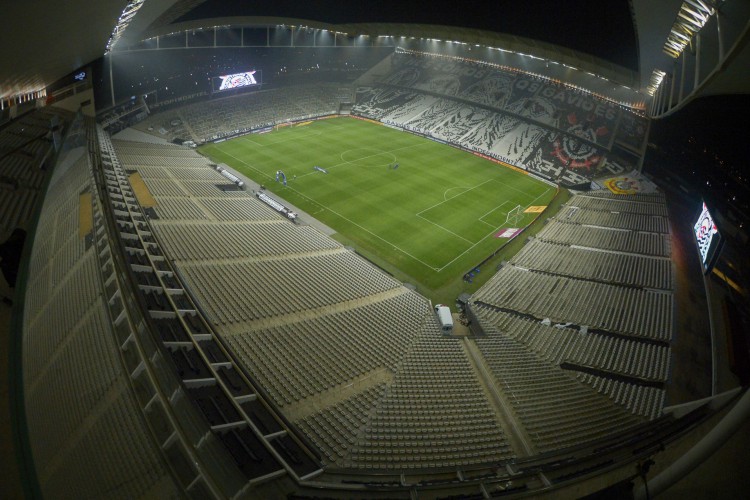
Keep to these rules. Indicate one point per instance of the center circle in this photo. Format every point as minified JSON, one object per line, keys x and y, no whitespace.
{"x":368,"y":157}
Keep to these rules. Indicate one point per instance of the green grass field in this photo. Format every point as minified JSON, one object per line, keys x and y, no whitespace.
{"x":430,"y":220}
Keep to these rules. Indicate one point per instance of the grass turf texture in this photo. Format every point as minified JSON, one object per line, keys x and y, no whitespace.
{"x":427,"y":221}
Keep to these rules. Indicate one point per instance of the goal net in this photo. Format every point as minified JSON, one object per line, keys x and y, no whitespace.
{"x":514,"y":216}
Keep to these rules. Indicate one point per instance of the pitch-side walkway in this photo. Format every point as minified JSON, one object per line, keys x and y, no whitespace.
{"x":303,"y":217}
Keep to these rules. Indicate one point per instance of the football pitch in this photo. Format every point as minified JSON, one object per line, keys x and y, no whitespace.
{"x":434,"y":216}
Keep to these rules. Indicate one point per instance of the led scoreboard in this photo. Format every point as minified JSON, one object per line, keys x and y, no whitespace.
{"x":707,"y":237}
{"x":236,"y":80}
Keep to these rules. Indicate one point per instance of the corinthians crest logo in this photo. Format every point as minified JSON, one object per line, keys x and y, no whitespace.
{"x":572,"y":151}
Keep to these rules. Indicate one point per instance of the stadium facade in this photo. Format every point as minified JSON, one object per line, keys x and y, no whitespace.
{"x":175,"y":336}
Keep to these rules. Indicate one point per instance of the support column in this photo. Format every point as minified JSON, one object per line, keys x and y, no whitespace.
{"x":718,"y":36}
{"x":644,"y":147}
{"x":671,"y":87}
{"x":660,"y":101}
{"x":697,"y":79}
{"x":657,"y":107}
{"x":111,"y":79}
{"x":682,"y":77}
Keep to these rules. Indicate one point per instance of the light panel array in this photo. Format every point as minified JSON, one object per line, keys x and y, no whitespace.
{"x":693,"y":15}
{"x":656,"y":78}
{"x":127,"y":15}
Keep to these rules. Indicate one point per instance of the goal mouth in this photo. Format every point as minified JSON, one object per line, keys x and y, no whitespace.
{"x":515,"y":215}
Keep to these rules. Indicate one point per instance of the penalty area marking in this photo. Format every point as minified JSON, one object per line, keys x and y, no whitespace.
{"x":444,"y":229}
{"x":480,"y":219}
{"x":488,"y":234}
{"x":459,"y":194}
{"x":445,"y":193}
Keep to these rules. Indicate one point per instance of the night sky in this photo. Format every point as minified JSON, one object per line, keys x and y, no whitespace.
{"x":706,"y":143}
{"x":718,"y":122}
{"x":600,"y":28}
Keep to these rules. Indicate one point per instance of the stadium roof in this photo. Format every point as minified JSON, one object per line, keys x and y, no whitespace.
{"x":653,"y":22}
{"x":49,"y":40}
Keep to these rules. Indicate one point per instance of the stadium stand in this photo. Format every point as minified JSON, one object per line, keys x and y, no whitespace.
{"x":621,"y":206}
{"x":26,"y":145}
{"x":241,"y":439}
{"x":307,"y":357}
{"x":505,"y":115}
{"x":610,"y":355}
{"x":613,"y":239}
{"x":68,"y":327}
{"x":594,"y":299}
{"x":335,"y":428}
{"x":435,"y":414}
{"x":541,"y":126}
{"x":556,"y":410}
{"x":553,"y":131}
{"x":623,"y":310}
{"x":214,"y":119}
{"x":592,"y":264}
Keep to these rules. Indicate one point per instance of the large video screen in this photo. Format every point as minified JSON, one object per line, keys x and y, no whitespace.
{"x":708,"y":238}
{"x":236,"y":80}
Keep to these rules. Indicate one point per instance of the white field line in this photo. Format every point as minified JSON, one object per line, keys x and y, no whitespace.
{"x":532,"y":201}
{"x":248,"y":139}
{"x":444,"y":229}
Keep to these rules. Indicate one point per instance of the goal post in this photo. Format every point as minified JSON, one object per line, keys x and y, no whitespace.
{"x":515,"y":214}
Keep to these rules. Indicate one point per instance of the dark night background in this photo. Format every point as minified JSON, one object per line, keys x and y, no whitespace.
{"x":600,"y":28}
{"x":706,"y":146}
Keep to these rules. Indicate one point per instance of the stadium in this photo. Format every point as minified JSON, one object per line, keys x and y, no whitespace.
{"x":274,"y":253}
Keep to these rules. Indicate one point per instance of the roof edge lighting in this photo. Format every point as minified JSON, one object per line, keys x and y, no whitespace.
{"x":128,"y":13}
{"x":693,"y":15}
{"x":656,"y":78}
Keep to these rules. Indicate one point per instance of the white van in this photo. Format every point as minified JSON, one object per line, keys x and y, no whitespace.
{"x":444,"y":316}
